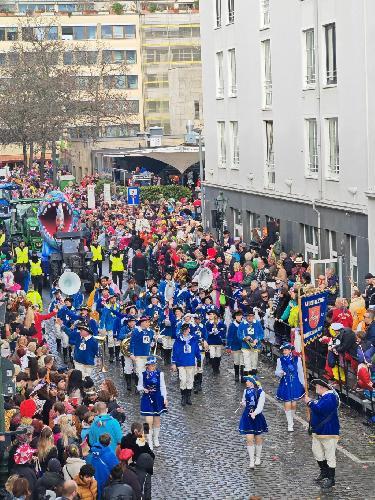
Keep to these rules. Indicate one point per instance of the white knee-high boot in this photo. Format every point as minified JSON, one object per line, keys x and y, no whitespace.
{"x":289,"y":417}
{"x":156,"y":437}
{"x":149,"y":438}
{"x":251,"y":452}
{"x":258,"y":452}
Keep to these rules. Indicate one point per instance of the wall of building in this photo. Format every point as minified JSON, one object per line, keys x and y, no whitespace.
{"x":342,"y":201}
{"x":185,"y":98}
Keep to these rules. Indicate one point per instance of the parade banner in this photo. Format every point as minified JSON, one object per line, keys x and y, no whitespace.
{"x":91,"y":196}
{"x":314,"y":309}
{"x":107,"y":193}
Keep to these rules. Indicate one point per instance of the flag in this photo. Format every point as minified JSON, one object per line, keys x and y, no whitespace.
{"x":314,"y":309}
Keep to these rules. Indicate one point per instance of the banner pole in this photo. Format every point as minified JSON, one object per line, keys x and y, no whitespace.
{"x":303,"y":345}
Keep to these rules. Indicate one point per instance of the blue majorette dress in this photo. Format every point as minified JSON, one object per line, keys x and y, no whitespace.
{"x":254,"y":399}
{"x":152,"y":403}
{"x":291,"y":386}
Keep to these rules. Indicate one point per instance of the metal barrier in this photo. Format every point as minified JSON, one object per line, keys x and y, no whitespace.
{"x":345,"y":383}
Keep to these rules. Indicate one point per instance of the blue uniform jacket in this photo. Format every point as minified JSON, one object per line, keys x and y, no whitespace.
{"x":185,"y":351}
{"x":68,"y":316}
{"x":322,"y":408}
{"x":200,"y":331}
{"x":124,"y":332}
{"x":140,"y":343}
{"x":108,"y":318}
{"x":217,"y":337}
{"x":234,"y":343}
{"x":254,"y":330}
{"x":85,"y":350}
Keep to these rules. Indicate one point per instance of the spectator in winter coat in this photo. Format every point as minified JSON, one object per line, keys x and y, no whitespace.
{"x":144,"y":468}
{"x":136,"y":442}
{"x":116,"y":488}
{"x":52,"y":480}
{"x":104,"y":424}
{"x":73,"y":463}
{"x":23,"y":459}
{"x":103,"y":459}
{"x":369,"y":338}
{"x":86,"y":483}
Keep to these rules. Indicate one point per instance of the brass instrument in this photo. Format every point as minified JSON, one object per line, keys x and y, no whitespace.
{"x":125,"y":347}
{"x":101,"y":340}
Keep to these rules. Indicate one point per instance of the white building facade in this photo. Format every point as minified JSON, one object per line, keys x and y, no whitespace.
{"x":289,"y":113}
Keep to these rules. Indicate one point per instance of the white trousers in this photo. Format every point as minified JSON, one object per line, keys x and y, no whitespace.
{"x":86,"y":370}
{"x":250,"y":359}
{"x":128,"y":365}
{"x":167,"y":342}
{"x":62,"y":336}
{"x":216,"y":351}
{"x":186,"y":376}
{"x":237,"y":357}
{"x":199,"y":369}
{"x":325,"y":449}
{"x":112,"y":342}
{"x":140,"y":365}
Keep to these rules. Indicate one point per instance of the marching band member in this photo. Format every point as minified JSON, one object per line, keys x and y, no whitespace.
{"x":198,"y":329}
{"x":291,"y":386}
{"x":251,"y":333}
{"x":217,"y":333}
{"x":154,"y":308}
{"x":167,"y":287}
{"x":53,"y":325}
{"x":84,"y":317}
{"x":107,"y":319}
{"x":325,"y":428}
{"x":140,"y":345}
{"x":171,"y":323}
{"x":66,"y":317}
{"x":185,"y":354}
{"x":234,"y":345}
{"x":86,"y":349}
{"x":154,"y":399}
{"x":126,"y":361}
{"x":252,"y":423}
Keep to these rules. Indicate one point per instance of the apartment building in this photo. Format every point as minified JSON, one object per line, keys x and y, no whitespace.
{"x":289,"y":122}
{"x":97,"y":38}
{"x":172,"y":69}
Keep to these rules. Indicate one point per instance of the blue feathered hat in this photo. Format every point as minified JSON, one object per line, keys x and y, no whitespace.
{"x":151,"y":360}
{"x":287,"y":345}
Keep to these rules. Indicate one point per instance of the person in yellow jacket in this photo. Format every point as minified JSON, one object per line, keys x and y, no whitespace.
{"x":21,"y":254}
{"x":2,"y":237}
{"x":34,"y":297}
{"x":117,"y":267}
{"x":97,"y":257}
{"x":36,"y":272}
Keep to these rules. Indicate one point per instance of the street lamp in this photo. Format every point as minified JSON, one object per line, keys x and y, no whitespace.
{"x":221,"y":206}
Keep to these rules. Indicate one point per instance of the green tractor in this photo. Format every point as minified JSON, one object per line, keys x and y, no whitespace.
{"x":24,"y":222}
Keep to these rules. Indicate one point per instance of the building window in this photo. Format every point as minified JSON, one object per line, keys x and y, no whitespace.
{"x":231,"y":11}
{"x":157,"y":80}
{"x":310,"y":77}
{"x":265,"y":13}
{"x":353,"y":262}
{"x":267,"y":74}
{"x":121,"y":82}
{"x":156,"y":106}
{"x":118,"y":32}
{"x":218,"y":13}
{"x":331,"y":69}
{"x":312,"y":146}
{"x":219,"y":75}
{"x":120,"y":56}
{"x":333,"y":147}
{"x":81,"y":57}
{"x":222,"y":150}
{"x":78,"y":32}
{"x":270,"y":160}
{"x":332,"y":241}
{"x":237,"y":223}
{"x":196,"y":110}
{"x":235,"y":148}
{"x":311,"y":240}
{"x":8,"y":34}
{"x":186,"y":54}
{"x":232,"y":73}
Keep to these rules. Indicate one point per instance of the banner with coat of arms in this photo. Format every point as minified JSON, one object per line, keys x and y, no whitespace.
{"x":314,"y":309}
